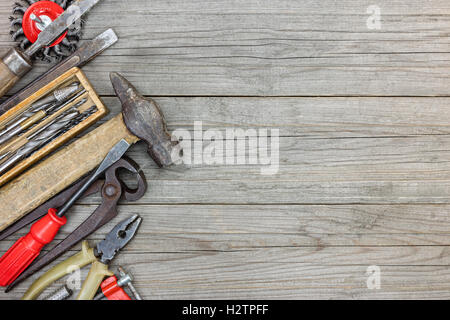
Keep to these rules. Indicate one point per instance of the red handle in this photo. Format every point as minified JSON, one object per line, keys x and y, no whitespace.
{"x":112,"y":291}
{"x":27,"y":248}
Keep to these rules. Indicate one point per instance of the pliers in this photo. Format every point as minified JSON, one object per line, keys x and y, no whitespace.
{"x":112,"y":189}
{"x":100,"y":257}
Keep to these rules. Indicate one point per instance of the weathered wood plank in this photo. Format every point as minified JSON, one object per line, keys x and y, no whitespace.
{"x":340,"y":164}
{"x":311,"y":230}
{"x":268,"y":47}
{"x":225,"y":275}
{"x":308,"y":117}
{"x":182,"y":249}
{"x":379,"y":170}
{"x":173,"y":228}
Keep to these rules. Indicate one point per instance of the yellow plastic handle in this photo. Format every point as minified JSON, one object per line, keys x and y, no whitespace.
{"x":79,"y":260}
{"x":95,"y":277}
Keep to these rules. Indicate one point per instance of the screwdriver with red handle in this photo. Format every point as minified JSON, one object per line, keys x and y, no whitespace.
{"x":42,"y":232}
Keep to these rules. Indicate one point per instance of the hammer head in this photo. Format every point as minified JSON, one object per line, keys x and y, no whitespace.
{"x":145,"y":120}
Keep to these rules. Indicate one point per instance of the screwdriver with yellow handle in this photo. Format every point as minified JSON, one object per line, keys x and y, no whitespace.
{"x":16,"y":63}
{"x":42,"y":232}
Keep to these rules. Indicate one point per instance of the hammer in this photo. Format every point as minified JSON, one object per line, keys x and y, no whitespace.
{"x":141,"y":119}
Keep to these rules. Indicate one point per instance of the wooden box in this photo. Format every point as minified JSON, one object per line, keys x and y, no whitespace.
{"x":71,"y":76}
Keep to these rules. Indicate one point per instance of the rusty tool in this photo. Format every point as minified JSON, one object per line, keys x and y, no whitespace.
{"x":16,"y":63}
{"x":40,"y":138}
{"x":85,"y":53}
{"x":34,"y":116}
{"x":100,"y":257}
{"x":112,"y":189}
{"x":25,"y":250}
{"x":44,"y":106}
{"x":141,"y":119}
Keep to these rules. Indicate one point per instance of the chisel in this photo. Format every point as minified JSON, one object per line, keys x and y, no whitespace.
{"x":85,"y":53}
{"x":16,"y":63}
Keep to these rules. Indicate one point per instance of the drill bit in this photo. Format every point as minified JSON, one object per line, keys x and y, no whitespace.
{"x":81,"y":117}
{"x":41,"y":137}
{"x":86,"y":114}
{"x":62,"y":293}
{"x":21,"y":142}
{"x":26,"y":115}
{"x":58,"y":95}
{"x":34,"y":115}
{"x":4,"y":155}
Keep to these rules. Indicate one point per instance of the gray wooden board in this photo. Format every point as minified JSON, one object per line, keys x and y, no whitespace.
{"x":364,"y":176}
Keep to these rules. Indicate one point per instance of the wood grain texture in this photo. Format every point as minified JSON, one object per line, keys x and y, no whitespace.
{"x":91,"y":97}
{"x":21,"y":195}
{"x":271,"y":48}
{"x":364,"y":134}
{"x":7,"y":78}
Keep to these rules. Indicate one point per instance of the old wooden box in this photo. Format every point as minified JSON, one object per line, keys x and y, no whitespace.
{"x":71,"y":76}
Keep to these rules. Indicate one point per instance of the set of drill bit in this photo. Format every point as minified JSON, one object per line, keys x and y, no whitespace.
{"x":41,"y":123}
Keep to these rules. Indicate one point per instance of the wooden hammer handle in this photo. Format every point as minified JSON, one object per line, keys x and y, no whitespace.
{"x":13,"y":66}
{"x":7,"y":78}
{"x":59,"y":171}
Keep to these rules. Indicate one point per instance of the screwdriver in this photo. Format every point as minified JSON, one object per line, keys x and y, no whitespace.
{"x":42,"y":232}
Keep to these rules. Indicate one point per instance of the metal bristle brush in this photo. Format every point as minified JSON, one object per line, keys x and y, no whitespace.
{"x":22,"y":10}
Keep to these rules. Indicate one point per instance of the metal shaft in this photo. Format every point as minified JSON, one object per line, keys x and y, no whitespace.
{"x":85,"y":53}
{"x":4,"y":155}
{"x":42,"y":137}
{"x":58,"y":95}
{"x":38,"y":112}
{"x":113,"y":155}
{"x":130,"y":285}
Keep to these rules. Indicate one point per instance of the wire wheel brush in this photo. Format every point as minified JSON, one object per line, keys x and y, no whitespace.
{"x":30,"y":17}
